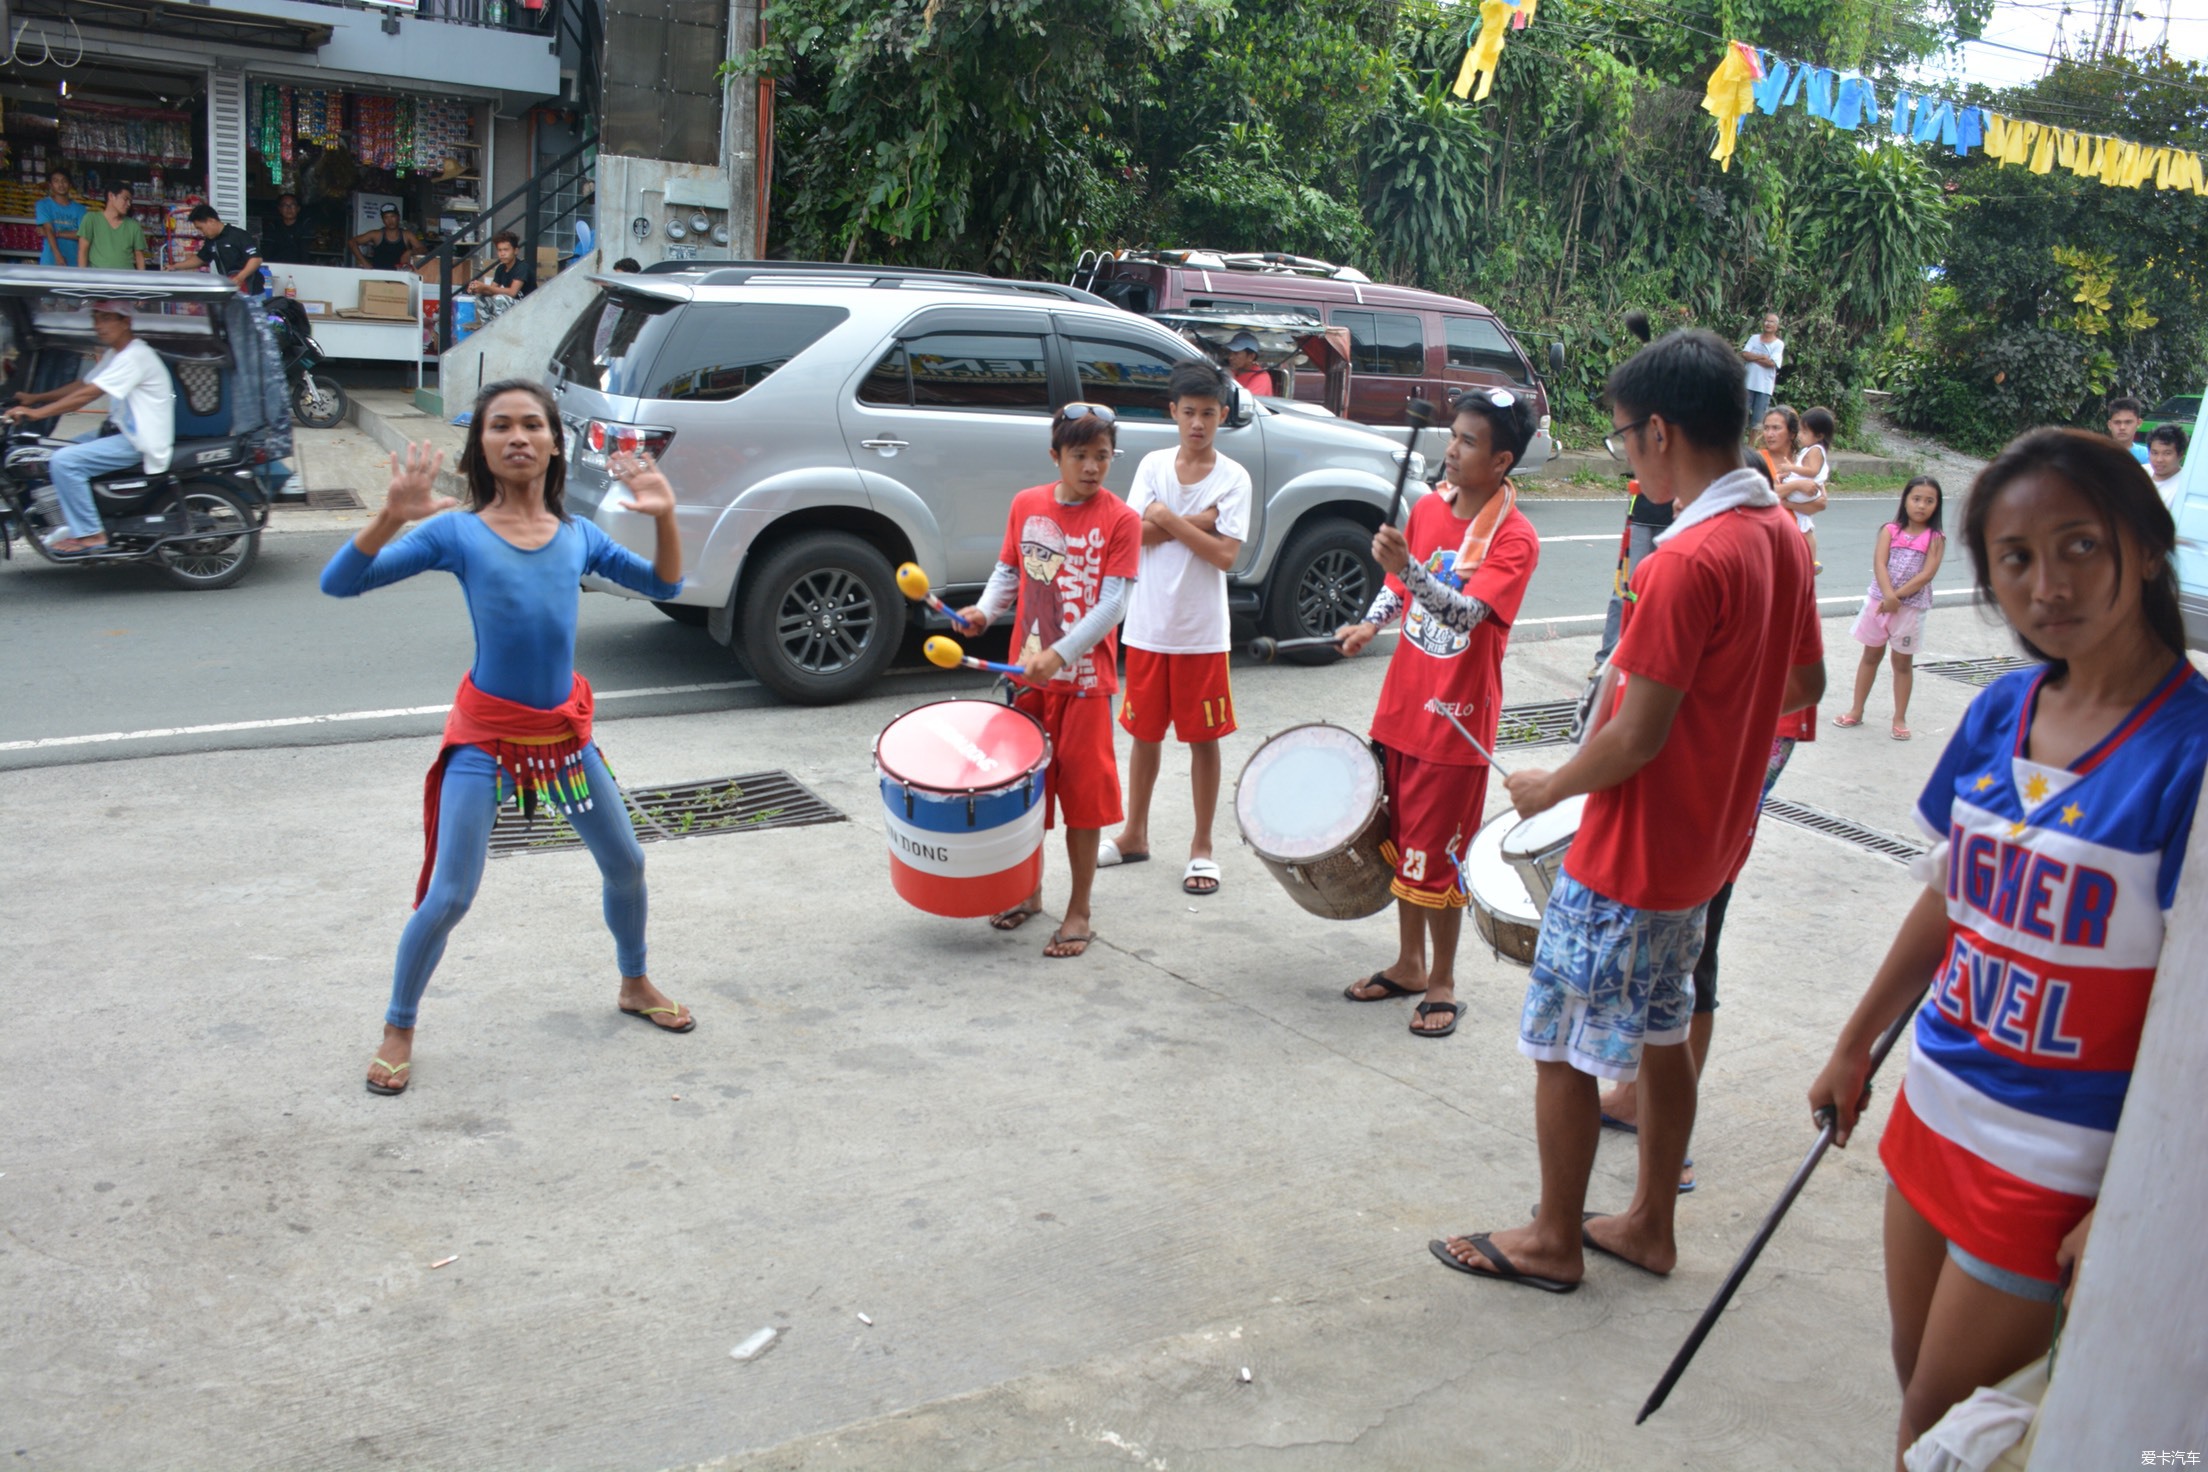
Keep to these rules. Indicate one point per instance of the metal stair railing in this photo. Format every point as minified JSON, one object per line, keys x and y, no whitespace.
{"x":535,"y":223}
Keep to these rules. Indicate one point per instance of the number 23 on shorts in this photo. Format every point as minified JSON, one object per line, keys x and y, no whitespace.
{"x":1413,"y":866}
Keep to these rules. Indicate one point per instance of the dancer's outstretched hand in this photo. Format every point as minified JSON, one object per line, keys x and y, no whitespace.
{"x":649,"y":493}
{"x":412,"y":494}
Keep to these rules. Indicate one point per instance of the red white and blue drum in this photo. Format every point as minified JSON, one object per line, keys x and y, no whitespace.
{"x":962,"y":801}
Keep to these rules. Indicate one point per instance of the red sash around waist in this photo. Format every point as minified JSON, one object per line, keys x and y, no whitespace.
{"x":540,"y":751}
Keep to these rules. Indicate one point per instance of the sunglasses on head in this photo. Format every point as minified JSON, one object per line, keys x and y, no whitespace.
{"x":1501,"y":398}
{"x":1078,"y":410}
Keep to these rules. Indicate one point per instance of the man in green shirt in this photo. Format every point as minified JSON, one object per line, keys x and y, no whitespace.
{"x":111,"y":239}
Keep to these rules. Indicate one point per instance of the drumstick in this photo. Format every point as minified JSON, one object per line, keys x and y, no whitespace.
{"x":912,"y":581}
{"x":1417,"y":414}
{"x":1439,"y":709}
{"x":1265,"y":649}
{"x":946,"y":654}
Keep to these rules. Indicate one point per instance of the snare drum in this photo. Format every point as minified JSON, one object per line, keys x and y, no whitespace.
{"x":1311,"y":805}
{"x":962,"y":801}
{"x":1505,"y":915}
{"x":1536,"y":848}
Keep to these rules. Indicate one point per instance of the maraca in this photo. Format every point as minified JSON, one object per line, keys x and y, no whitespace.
{"x":947,"y":654}
{"x":912,"y":581}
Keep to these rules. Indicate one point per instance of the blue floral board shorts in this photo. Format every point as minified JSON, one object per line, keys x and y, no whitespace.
{"x":1608,"y":980}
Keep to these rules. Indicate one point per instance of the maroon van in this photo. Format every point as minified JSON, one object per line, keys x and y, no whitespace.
{"x":1404,"y":343}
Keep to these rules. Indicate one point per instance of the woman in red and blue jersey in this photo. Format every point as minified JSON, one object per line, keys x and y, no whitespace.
{"x":2063,"y":806}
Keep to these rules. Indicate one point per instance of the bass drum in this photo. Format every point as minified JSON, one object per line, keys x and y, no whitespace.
{"x":1312,"y":806}
{"x":1504,"y":914}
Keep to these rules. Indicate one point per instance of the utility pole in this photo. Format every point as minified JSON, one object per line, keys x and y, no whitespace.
{"x":743,"y":151}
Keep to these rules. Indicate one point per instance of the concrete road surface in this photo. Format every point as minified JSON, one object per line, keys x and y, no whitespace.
{"x":1074,"y":1199}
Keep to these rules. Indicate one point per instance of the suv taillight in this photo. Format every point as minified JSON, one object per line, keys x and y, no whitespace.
{"x":601,"y":439}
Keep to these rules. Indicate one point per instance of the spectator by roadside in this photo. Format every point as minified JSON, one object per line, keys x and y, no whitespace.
{"x":626,"y":266}
{"x":1242,"y":363}
{"x":286,"y":239}
{"x":507,"y":282}
{"x":2124,"y":415}
{"x":109,"y":239}
{"x":1765,"y":355}
{"x":58,"y":218}
{"x":2166,"y":462}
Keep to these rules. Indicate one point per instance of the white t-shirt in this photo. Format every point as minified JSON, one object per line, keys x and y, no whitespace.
{"x":1179,"y":602}
{"x":2167,"y":488}
{"x":141,"y":400}
{"x":1762,"y":380}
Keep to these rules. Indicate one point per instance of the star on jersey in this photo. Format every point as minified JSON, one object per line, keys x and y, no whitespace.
{"x":2071,"y":814}
{"x":1982,"y":783}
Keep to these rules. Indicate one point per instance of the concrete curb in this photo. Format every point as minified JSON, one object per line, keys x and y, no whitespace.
{"x":391,"y":419}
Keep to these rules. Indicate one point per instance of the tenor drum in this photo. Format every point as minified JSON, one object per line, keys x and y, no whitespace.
{"x":1504,"y":914}
{"x":1535,"y":849}
{"x":1311,"y":805}
{"x":962,"y":802}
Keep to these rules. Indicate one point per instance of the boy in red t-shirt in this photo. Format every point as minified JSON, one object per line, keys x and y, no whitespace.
{"x":1721,"y":638}
{"x":1070,"y":552}
{"x":1462,"y":562}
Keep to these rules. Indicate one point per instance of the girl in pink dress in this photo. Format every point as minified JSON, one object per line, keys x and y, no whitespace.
{"x":1908,"y":557}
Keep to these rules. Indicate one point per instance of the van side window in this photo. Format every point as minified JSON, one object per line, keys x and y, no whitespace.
{"x":888,"y":383}
{"x":1383,"y":342}
{"x":1129,"y":380}
{"x":971,"y":370}
{"x":720,"y":350}
{"x":1214,"y":304}
{"x":1478,"y":343}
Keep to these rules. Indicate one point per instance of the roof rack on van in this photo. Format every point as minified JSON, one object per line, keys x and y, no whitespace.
{"x":736,"y":273}
{"x":1270,"y":262}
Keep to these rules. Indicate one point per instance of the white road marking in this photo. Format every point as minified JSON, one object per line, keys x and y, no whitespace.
{"x":1586,"y":537}
{"x":278,"y":723}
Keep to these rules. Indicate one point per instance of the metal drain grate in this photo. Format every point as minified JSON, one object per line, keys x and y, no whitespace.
{"x":742,"y":804}
{"x":1537,"y":723}
{"x":1832,"y":825}
{"x":1979,"y":672}
{"x":336,"y":500}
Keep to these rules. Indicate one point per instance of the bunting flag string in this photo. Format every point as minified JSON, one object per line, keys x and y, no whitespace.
{"x":1748,"y":80}
{"x":1484,"y":50}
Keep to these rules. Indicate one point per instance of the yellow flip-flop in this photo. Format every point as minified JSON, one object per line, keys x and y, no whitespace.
{"x":376,"y":1088}
{"x":648,"y":1013}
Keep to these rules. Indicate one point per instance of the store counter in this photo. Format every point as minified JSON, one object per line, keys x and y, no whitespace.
{"x":325,"y":291}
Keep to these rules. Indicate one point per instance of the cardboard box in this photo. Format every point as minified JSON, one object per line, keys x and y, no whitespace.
{"x":383,"y":301}
{"x":548,"y":263}
{"x":314,"y":308}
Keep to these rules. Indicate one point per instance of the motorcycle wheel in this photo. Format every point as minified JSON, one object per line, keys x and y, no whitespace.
{"x":226,"y":549}
{"x":319,"y":402}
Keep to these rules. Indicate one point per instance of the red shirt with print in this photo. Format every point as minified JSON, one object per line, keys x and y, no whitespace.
{"x":1433,"y":661}
{"x":1722,"y":610}
{"x":1064,"y":553}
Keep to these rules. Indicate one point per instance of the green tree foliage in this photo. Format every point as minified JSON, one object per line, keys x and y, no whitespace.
{"x":2061,"y":291}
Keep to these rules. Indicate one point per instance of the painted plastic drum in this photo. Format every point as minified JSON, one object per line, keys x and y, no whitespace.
{"x":962,"y":802}
{"x":1536,"y":847}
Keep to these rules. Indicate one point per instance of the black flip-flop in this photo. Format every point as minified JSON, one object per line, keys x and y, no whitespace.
{"x":1454,"y":1009}
{"x":1612,"y":1122}
{"x":1060,"y":938}
{"x":1505,"y":1270}
{"x":1389,"y":991}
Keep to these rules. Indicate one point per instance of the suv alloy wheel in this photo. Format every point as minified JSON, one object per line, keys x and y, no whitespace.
{"x":1325,"y":578}
{"x":820,"y":618}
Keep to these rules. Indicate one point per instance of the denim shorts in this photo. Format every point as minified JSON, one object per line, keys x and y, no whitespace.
{"x":1608,"y":980}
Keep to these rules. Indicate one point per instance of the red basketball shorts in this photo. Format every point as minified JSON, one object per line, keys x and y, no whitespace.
{"x":1082,"y":782}
{"x":1186,"y":692}
{"x":1433,"y":811}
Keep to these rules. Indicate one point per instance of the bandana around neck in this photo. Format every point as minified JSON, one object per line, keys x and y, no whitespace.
{"x":1482,"y":530}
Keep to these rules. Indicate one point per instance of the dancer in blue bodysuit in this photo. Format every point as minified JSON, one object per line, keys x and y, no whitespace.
{"x":521,"y":721}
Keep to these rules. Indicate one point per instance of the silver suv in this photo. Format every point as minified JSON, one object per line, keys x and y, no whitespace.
{"x":822,"y":424}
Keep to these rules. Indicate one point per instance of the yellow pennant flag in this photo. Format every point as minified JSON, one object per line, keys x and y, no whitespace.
{"x":2043,"y":155}
{"x":1486,"y":51}
{"x":2066,"y":150}
{"x":1730,"y":96}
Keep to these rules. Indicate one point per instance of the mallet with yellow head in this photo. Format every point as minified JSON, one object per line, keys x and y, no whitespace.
{"x":912,"y":581}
